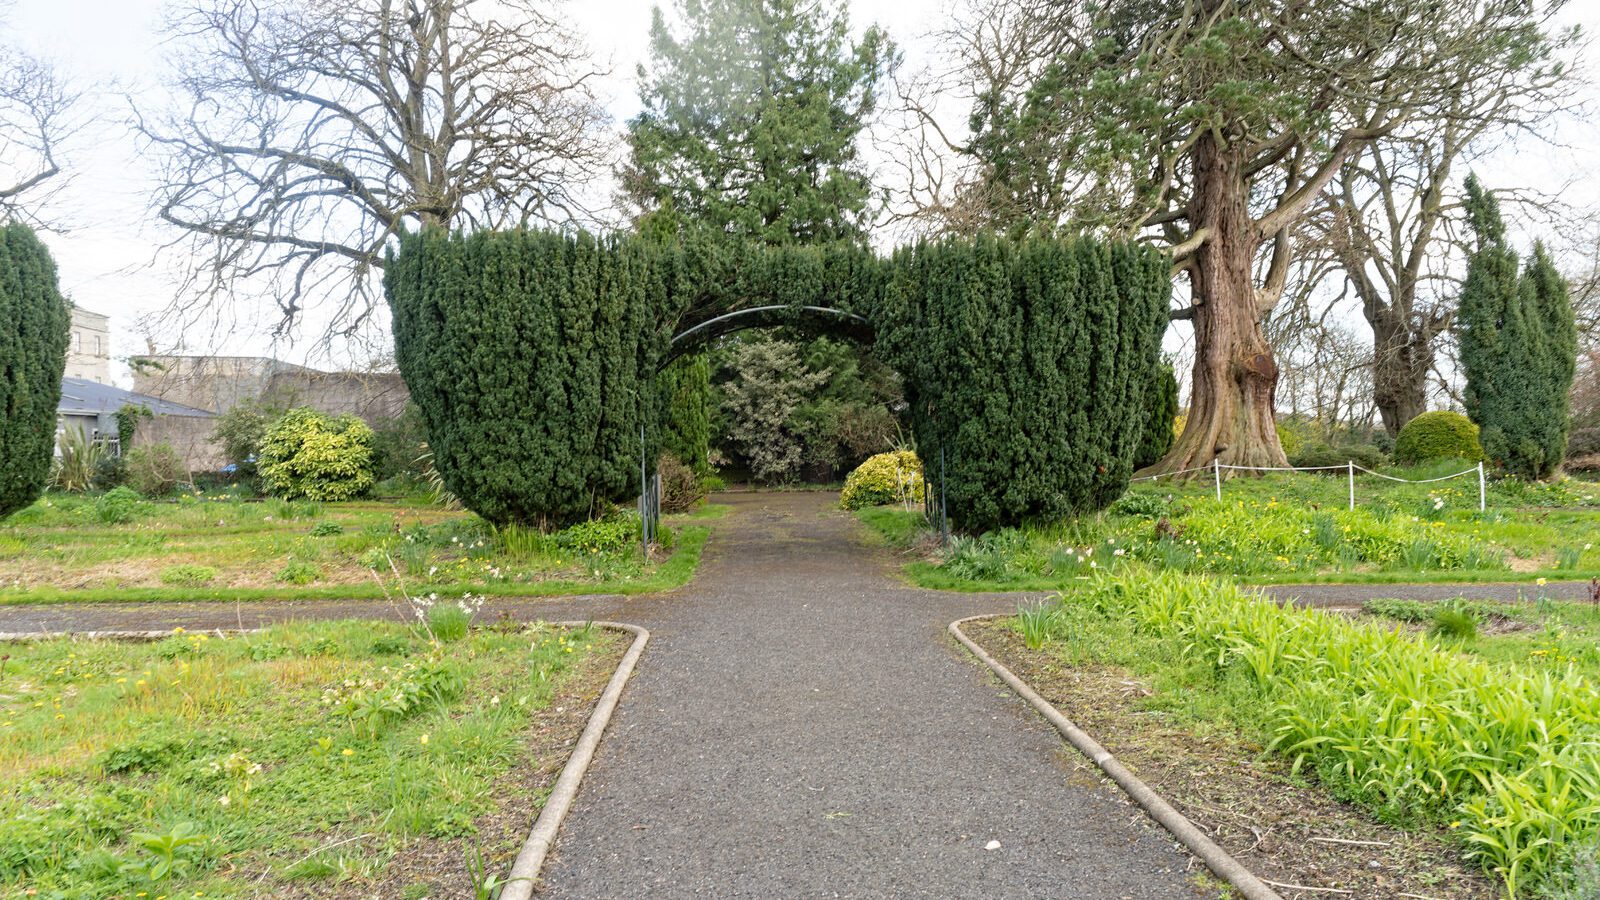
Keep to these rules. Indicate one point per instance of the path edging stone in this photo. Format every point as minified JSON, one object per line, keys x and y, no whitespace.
{"x":1219,"y":861}
{"x":530,"y":860}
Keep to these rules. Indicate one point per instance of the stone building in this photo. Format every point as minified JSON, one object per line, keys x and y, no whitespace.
{"x":89,"y":347}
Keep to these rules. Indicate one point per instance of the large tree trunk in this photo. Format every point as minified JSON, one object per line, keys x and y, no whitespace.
{"x":1401,"y":358}
{"x":1235,"y":376}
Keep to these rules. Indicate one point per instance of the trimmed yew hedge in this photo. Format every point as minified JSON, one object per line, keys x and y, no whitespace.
{"x":34,"y":327}
{"x":534,"y":357}
{"x":1028,"y":363}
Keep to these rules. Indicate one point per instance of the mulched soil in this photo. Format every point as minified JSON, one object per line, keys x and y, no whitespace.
{"x":1285,"y":831}
{"x":443,"y":864}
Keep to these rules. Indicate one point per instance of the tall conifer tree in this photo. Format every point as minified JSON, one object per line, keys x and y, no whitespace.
{"x":1518,"y":346}
{"x":751,"y":119}
{"x":34,"y":324}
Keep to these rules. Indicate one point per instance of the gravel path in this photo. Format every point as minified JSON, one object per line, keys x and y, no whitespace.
{"x":801,"y":728}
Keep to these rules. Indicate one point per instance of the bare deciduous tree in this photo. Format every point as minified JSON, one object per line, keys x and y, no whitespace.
{"x":1388,"y":220}
{"x":36,"y":117}
{"x":305,"y":134}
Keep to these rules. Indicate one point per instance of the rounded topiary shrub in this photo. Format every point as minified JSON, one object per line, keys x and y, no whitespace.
{"x":1441,"y":434}
{"x":893,"y":477}
{"x":311,"y":455}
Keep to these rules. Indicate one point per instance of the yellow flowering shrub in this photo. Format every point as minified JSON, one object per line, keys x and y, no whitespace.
{"x":893,"y":477}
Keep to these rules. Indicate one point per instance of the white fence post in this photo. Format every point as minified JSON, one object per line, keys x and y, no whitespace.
{"x":1350,"y":466}
{"x":1482,"y":493}
{"x":1216,"y":470}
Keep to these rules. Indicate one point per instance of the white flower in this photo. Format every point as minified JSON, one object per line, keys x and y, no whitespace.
{"x":224,"y":800}
{"x":1119,"y":552}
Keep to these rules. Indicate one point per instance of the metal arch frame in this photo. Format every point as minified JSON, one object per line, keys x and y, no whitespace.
{"x":759,"y":315}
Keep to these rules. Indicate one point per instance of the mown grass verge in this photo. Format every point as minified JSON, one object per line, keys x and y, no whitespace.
{"x":64,"y":550}
{"x":1507,"y":757}
{"x":330,"y":759}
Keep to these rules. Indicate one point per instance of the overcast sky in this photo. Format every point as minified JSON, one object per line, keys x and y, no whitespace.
{"x":112,"y":47}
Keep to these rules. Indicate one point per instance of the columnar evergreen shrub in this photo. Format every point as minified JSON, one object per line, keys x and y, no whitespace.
{"x":1518,"y":346}
{"x":531,"y":356}
{"x":686,"y":424}
{"x":34,"y":324}
{"x":1441,"y":434}
{"x":1161,"y":410}
{"x":314,"y":456}
{"x":1029,"y":364}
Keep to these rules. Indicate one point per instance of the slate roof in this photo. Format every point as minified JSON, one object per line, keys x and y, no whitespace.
{"x":82,"y":397}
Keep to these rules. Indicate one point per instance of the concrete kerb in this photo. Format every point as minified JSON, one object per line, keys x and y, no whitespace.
{"x":1218,"y":860}
{"x":530,"y":860}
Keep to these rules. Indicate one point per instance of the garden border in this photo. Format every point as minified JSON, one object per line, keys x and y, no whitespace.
{"x":530,"y":859}
{"x":1218,"y":860}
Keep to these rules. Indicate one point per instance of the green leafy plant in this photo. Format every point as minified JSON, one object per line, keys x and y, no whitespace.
{"x":313,"y":456}
{"x":188,"y":575}
{"x":117,"y":506}
{"x":327,"y":529}
{"x":299,"y":572}
{"x":170,"y":853}
{"x":1455,"y":624}
{"x":77,"y":460}
{"x":156,"y":470}
{"x":1442,"y":434}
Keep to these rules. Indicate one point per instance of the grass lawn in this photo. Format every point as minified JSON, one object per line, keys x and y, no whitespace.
{"x":77,"y":548}
{"x":1536,"y":634}
{"x":319,"y":760}
{"x":1284,"y":528}
{"x":1487,"y":735}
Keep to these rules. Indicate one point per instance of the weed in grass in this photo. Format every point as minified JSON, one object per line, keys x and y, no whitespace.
{"x":486,"y":885}
{"x":1567,"y":557}
{"x":167,"y":854}
{"x":449,"y":622}
{"x":188,"y":575}
{"x":327,"y":529}
{"x":117,"y":506}
{"x":1454,"y":623}
{"x":1579,"y":874}
{"x":299,"y":572}
{"x":1037,"y":624}
{"x":294,"y":509}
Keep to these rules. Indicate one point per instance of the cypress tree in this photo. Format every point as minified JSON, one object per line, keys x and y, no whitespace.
{"x":1518,"y":347}
{"x":34,"y":326}
{"x":686,"y":425}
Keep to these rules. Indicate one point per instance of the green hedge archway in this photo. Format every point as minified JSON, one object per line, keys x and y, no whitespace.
{"x":532,"y":356}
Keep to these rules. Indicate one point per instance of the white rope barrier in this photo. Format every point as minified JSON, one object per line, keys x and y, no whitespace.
{"x":1351,"y":467}
{"x":1361,"y":468}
